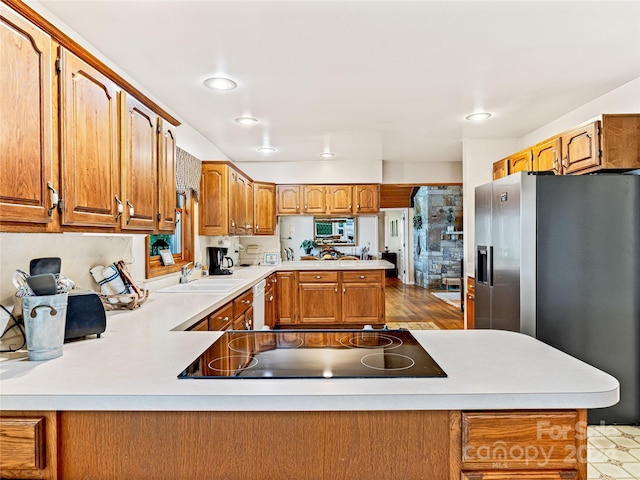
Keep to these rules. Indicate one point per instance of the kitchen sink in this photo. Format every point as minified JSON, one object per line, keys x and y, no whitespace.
{"x":209,"y":285}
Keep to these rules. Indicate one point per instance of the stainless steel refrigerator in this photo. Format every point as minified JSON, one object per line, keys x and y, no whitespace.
{"x":558,"y":258}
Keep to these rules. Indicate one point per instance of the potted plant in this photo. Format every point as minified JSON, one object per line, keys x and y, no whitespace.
{"x":450,"y":218}
{"x":307,"y":245}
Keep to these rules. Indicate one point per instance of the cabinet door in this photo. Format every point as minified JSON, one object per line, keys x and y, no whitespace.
{"x":264,"y":208}
{"x":319,"y":302}
{"x":286,"y":289}
{"x":288,"y":199}
{"x":249,"y":217}
{"x":167,"y":179}
{"x":90,"y":166}
{"x":214,"y":200}
{"x":221,"y":319}
{"x":470,"y":308}
{"x":500,"y":168}
{"x":139,"y":164}
{"x":269,"y":308}
{"x":546,"y":156}
{"x":521,"y":161}
{"x":367,"y":198}
{"x":340,"y":199}
{"x":25,"y":121}
{"x":315,"y":200}
{"x":363,"y":297}
{"x":581,"y":148}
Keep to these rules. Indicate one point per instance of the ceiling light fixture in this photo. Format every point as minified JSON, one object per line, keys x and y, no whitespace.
{"x":220,"y":83}
{"x":266,"y":149}
{"x":327,"y":154}
{"x":478,"y":116}
{"x":246,"y":120}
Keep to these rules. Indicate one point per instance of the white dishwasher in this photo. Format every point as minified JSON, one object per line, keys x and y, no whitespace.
{"x":258,"y":304}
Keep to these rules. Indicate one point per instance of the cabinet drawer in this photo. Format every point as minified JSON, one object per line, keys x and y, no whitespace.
{"x":221,"y":318}
{"x":522,"y":475}
{"x":314,"y":277}
{"x":241,"y":303}
{"x":360,"y":276}
{"x":22,"y":443}
{"x":522,"y":440}
{"x":200,"y":326}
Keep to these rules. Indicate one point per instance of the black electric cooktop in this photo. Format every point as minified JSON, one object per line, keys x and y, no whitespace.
{"x":314,"y":354}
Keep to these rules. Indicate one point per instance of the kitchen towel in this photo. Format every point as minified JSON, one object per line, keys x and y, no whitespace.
{"x":188,"y":173}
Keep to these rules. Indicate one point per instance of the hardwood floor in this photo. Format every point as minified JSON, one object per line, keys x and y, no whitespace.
{"x":408,"y":306}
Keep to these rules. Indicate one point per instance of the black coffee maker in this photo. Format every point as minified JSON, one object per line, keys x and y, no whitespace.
{"x":219,"y":263}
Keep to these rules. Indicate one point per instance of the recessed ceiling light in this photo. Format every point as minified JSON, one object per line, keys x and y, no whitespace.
{"x":220,"y":83}
{"x":266,"y":149}
{"x":246,"y":120}
{"x":327,"y":154}
{"x":478,"y":116}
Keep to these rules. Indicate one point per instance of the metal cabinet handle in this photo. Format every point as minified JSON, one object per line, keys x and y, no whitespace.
{"x":565,"y":162}
{"x":318,"y":276}
{"x":362,"y":276}
{"x":246,"y":302}
{"x":223,"y":319}
{"x":120,"y":208}
{"x":344,"y":290}
{"x":54,"y":198}
{"x":132,"y":211}
{"x":555,"y":160}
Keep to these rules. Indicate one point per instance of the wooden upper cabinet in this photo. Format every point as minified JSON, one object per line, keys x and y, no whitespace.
{"x":340,"y":199}
{"x":367,"y":198}
{"x":237,"y":203}
{"x":546,"y":156}
{"x":500,"y":168}
{"x":166,"y":178}
{"x":521,"y":161}
{"x":314,"y":199}
{"x":264,"y":208}
{"x":89,"y":161}
{"x":581,"y":148}
{"x":25,"y":121}
{"x":139,"y":157}
{"x":214,"y":201}
{"x":288,"y":199}
{"x":249,"y":217}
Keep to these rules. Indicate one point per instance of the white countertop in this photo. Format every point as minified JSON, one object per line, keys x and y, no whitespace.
{"x":134,"y":366}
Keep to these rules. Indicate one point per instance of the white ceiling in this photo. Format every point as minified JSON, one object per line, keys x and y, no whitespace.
{"x":374,"y":80}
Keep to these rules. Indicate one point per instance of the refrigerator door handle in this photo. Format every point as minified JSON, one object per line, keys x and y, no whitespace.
{"x":490,"y":267}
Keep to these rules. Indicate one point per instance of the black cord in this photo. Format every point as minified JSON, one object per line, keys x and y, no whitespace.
{"x":16,"y":324}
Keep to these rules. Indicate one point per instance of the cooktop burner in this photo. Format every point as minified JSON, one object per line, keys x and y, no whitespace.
{"x":314,"y":354}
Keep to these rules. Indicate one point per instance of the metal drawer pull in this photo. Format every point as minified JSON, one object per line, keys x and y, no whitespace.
{"x":362,"y":276}
{"x":223,"y":319}
{"x":246,"y":302}
{"x":318,"y":276}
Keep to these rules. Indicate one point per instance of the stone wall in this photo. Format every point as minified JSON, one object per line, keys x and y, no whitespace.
{"x":437,"y":254}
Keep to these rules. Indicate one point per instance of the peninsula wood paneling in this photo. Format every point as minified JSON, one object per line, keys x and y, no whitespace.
{"x":387,"y":445}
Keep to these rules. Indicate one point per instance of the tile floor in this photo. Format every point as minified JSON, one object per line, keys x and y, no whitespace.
{"x":613,"y":452}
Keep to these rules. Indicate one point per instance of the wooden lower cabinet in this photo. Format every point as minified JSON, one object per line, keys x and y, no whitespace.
{"x":525,"y":475}
{"x":320,"y":298}
{"x":523,"y":445}
{"x":471,"y":303}
{"x":355,"y":445}
{"x":29,"y":445}
{"x":286,"y":295}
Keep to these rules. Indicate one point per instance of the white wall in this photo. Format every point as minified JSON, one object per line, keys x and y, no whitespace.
{"x":478,"y":157}
{"x":624,"y":99}
{"x":416,"y":173}
{"x":321,"y":171}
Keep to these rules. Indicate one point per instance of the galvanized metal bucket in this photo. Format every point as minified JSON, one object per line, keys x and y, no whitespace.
{"x":44,"y":319}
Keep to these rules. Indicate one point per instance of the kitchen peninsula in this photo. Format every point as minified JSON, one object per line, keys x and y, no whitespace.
{"x":510,"y":407}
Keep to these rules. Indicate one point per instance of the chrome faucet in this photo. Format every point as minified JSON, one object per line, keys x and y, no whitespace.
{"x":184,"y":278}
